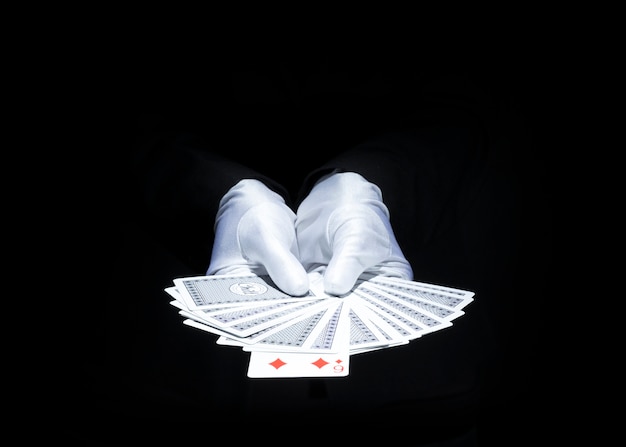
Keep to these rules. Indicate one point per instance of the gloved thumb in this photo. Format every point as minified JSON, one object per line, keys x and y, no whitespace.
{"x":358,"y":240}
{"x":267,"y":236}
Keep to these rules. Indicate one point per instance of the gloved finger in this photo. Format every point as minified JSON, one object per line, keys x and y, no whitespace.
{"x":287,"y":272}
{"x":358,"y":240}
{"x":226,"y":256}
{"x":267,"y":237}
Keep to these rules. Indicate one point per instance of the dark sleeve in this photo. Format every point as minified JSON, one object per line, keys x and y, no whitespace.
{"x":178,"y":182}
{"x":426,"y":167}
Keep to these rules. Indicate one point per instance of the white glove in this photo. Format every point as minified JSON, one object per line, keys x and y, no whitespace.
{"x":254,"y":233}
{"x":343,"y":229}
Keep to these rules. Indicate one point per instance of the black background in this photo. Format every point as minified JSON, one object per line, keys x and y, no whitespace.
{"x":114,"y":98}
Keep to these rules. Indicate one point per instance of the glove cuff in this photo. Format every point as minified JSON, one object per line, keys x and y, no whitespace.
{"x":346,"y":187}
{"x":243,"y":196}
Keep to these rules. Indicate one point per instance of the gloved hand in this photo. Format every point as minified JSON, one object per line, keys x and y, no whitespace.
{"x":343,"y":228}
{"x":254,"y":233}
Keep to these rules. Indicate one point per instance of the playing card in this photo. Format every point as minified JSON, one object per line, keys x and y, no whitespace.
{"x":293,"y":364}
{"x":325,"y":330}
{"x":173,"y":292}
{"x":203,"y":292}
{"x":242,"y":321}
{"x":370,"y":331}
{"x":419,"y":300}
{"x":314,"y":335}
{"x":396,"y":330}
{"x":445,"y":296}
{"x":300,"y":324}
{"x":418,"y":322}
{"x":180,"y":304}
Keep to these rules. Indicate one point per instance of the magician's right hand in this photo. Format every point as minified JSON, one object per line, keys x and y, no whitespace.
{"x":255,"y":233}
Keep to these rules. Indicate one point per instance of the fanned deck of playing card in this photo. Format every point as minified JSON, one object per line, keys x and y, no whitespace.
{"x":313,"y":335}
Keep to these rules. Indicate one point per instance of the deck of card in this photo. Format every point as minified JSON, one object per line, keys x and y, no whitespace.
{"x":313,"y":335}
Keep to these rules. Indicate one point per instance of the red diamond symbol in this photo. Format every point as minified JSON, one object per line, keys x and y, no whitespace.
{"x":277,"y":363}
{"x":320,"y":362}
